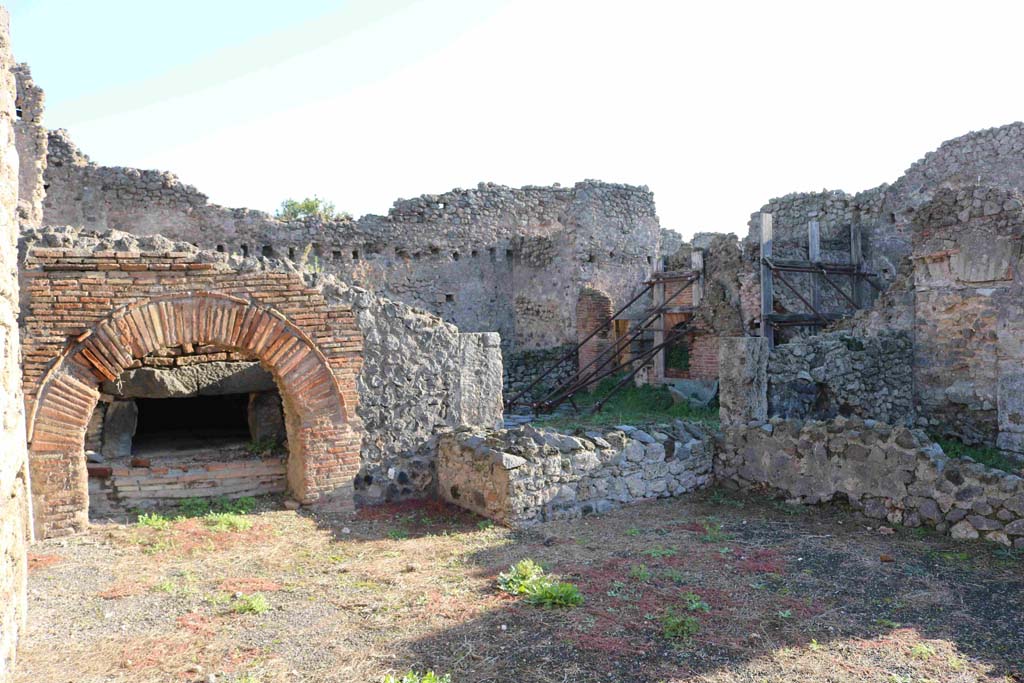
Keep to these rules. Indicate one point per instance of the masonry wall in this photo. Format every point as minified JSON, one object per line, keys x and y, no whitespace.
{"x":840,"y":373}
{"x":31,"y":140}
{"x":490,"y":259}
{"x":420,"y":377}
{"x":890,"y":473}
{"x":524,"y":476}
{"x":14,"y":475}
{"x":95,"y":305}
{"x":969,"y":314}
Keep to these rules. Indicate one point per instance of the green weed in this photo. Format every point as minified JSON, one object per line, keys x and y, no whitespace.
{"x":256,"y":603}
{"x":154,"y":520}
{"x":678,"y":626}
{"x":695,"y":603}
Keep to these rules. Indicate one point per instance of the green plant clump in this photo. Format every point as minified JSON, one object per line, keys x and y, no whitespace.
{"x":986,"y":455}
{"x":256,"y":603}
{"x":154,"y":520}
{"x":310,"y":208}
{"x":520,"y":576}
{"x":527,"y":578}
{"x":678,"y":626}
{"x":554,"y":594}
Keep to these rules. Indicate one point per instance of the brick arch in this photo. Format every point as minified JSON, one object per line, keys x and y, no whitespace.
{"x":317,"y":418}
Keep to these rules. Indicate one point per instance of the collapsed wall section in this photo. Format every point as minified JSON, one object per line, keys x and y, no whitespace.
{"x":14,"y":476}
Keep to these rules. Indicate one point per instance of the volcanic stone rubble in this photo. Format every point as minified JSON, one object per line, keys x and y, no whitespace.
{"x":523,"y":476}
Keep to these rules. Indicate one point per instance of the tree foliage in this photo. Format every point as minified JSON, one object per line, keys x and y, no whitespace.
{"x":310,"y":208}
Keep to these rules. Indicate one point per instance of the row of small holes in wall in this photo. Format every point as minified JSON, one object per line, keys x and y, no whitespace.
{"x":268,"y":251}
{"x":611,"y":254}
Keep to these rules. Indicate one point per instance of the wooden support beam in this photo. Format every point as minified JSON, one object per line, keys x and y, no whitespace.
{"x":697,"y":264}
{"x":856,"y":260}
{"x":767,"y":292}
{"x":814,"y":255}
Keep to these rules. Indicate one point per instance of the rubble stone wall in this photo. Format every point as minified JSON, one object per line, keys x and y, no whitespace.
{"x":420,"y":376}
{"x":15,"y":516}
{"x":969,"y":314}
{"x":890,"y":473}
{"x":523,"y":476}
{"x":839,"y":373}
{"x":490,"y":259}
{"x":31,"y":140}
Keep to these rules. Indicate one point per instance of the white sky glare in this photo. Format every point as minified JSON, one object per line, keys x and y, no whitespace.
{"x":716,"y":106}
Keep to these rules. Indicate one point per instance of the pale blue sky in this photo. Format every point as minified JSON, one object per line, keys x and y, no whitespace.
{"x":716,"y":106}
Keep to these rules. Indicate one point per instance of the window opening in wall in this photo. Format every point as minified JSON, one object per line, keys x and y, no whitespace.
{"x":268,"y":250}
{"x":17,"y":112}
{"x":508,"y":254}
{"x":650,"y":260}
{"x":336,"y":255}
{"x":245,"y":250}
{"x":440,"y":205}
{"x":492,"y":253}
{"x":180,"y":424}
{"x":355,"y":254}
{"x":611,"y":254}
{"x":434,"y":251}
{"x":474,"y":253}
{"x":291,"y":253}
{"x":677,"y":356}
{"x":449,"y":298}
{"x":220,"y":248}
{"x":455,"y":256}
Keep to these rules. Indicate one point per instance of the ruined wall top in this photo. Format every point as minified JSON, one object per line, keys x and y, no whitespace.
{"x":30,"y":98}
{"x":994,"y":156}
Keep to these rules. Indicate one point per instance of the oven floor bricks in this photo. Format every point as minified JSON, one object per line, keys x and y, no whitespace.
{"x":93,"y":314}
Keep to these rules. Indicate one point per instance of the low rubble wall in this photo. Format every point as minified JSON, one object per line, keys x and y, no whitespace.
{"x":890,"y":473}
{"x":523,"y":476}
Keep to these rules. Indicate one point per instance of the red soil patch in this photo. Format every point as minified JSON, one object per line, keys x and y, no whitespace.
{"x":248,"y":585}
{"x":762,"y":562}
{"x":198,"y":623}
{"x":123,"y":589}
{"x":36,"y":562}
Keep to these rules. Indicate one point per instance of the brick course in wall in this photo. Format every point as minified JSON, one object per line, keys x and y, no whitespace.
{"x":91,"y":313}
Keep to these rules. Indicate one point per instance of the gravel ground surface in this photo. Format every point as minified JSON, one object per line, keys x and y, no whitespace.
{"x":766,"y":593}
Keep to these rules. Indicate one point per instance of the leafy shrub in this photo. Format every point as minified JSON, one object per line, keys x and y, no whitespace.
{"x":414,"y":677}
{"x":520,"y":576}
{"x":554,"y":594}
{"x":527,"y":578}
{"x":310,"y":207}
{"x":154,"y":521}
{"x":256,"y":603}
{"x":678,"y":626}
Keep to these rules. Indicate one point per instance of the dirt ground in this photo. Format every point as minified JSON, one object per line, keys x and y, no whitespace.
{"x":774,"y":593}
